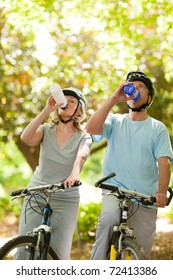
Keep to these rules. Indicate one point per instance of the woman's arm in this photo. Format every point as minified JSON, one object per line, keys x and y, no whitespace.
{"x":32,"y":135}
{"x":81,"y":157}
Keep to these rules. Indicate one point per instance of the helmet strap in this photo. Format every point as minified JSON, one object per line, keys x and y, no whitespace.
{"x":65,"y":121}
{"x":141,"y":108}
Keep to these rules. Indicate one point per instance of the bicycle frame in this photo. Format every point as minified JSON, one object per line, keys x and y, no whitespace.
{"x":44,"y":230}
{"x":121,"y":232}
{"x":35,"y":244}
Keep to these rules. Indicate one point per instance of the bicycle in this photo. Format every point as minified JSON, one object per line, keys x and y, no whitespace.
{"x":35,"y":244}
{"x":123,"y":245}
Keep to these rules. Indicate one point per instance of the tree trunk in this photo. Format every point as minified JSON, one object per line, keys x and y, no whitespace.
{"x":30,"y":153}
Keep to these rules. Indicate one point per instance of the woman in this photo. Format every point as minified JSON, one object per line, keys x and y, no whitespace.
{"x":64,"y":148}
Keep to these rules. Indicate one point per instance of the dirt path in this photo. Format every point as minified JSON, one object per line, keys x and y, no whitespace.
{"x":162,"y":247}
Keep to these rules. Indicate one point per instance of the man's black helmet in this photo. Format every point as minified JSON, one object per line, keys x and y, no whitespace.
{"x":140,"y":76}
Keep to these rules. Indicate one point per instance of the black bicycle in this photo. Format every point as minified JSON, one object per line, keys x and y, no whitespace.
{"x":123,"y":244}
{"x":34,"y":245}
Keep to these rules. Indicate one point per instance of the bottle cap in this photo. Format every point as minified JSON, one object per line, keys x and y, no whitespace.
{"x":129,"y":89}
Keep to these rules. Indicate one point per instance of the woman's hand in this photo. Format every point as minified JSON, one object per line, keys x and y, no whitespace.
{"x":72,"y":180}
{"x":51,"y":104}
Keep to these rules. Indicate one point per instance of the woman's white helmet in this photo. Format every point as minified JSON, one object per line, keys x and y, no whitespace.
{"x":76,"y":93}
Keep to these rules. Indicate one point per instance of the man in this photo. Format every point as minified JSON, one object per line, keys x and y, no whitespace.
{"x":139,"y":152}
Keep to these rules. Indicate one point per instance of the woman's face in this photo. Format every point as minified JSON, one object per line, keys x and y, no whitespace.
{"x":72,"y":104}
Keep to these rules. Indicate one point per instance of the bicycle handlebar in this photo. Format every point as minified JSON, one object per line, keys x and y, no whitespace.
{"x":104,"y":179}
{"x":122,"y":193}
{"x":60,"y":186}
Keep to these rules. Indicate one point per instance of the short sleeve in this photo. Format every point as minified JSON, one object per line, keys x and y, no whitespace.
{"x":107,"y":129}
{"x":86,"y":139}
{"x":163,"y":143}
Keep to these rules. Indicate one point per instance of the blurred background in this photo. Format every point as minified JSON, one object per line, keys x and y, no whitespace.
{"x":91,"y":45}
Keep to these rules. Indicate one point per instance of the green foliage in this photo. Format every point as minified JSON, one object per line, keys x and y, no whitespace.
{"x":92,"y":170}
{"x":169,"y":214}
{"x":7,"y":206}
{"x":15,"y":172}
{"x":87,"y":44}
{"x":87,"y":221}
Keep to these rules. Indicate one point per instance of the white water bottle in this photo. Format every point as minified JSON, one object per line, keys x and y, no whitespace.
{"x":58,"y":95}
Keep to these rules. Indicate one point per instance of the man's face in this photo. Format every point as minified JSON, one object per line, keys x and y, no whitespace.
{"x":144,"y":94}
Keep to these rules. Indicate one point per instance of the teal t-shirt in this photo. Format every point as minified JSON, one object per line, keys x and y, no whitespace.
{"x":133,"y":148}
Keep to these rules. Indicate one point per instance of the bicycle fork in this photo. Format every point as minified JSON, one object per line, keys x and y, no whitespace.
{"x":44,"y":234}
{"x":113,"y":247}
{"x":119,"y":232}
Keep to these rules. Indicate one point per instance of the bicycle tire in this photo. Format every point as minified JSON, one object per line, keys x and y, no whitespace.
{"x":27,"y":243}
{"x":131,"y":250}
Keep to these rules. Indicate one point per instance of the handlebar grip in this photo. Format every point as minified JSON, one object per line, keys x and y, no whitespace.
{"x":18,"y":192}
{"x":108,"y":187}
{"x":170,"y":195}
{"x":76,"y":184}
{"x":153,"y":198}
{"x":98,"y":183}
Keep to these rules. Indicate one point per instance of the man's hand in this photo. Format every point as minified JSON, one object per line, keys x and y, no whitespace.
{"x":161,"y":200}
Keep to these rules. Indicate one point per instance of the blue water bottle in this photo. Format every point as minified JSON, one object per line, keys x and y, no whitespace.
{"x":131,"y":90}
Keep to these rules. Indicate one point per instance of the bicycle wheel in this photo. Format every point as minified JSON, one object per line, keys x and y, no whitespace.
{"x":24,"y":247}
{"x":131,"y":250}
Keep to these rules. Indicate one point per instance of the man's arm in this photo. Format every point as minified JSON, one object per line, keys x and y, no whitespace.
{"x":164,"y":179}
{"x":95,"y":123}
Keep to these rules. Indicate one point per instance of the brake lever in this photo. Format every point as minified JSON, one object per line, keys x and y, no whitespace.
{"x":146,"y":202}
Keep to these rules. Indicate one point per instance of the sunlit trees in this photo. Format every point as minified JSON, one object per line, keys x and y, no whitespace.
{"x":88,"y":44}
